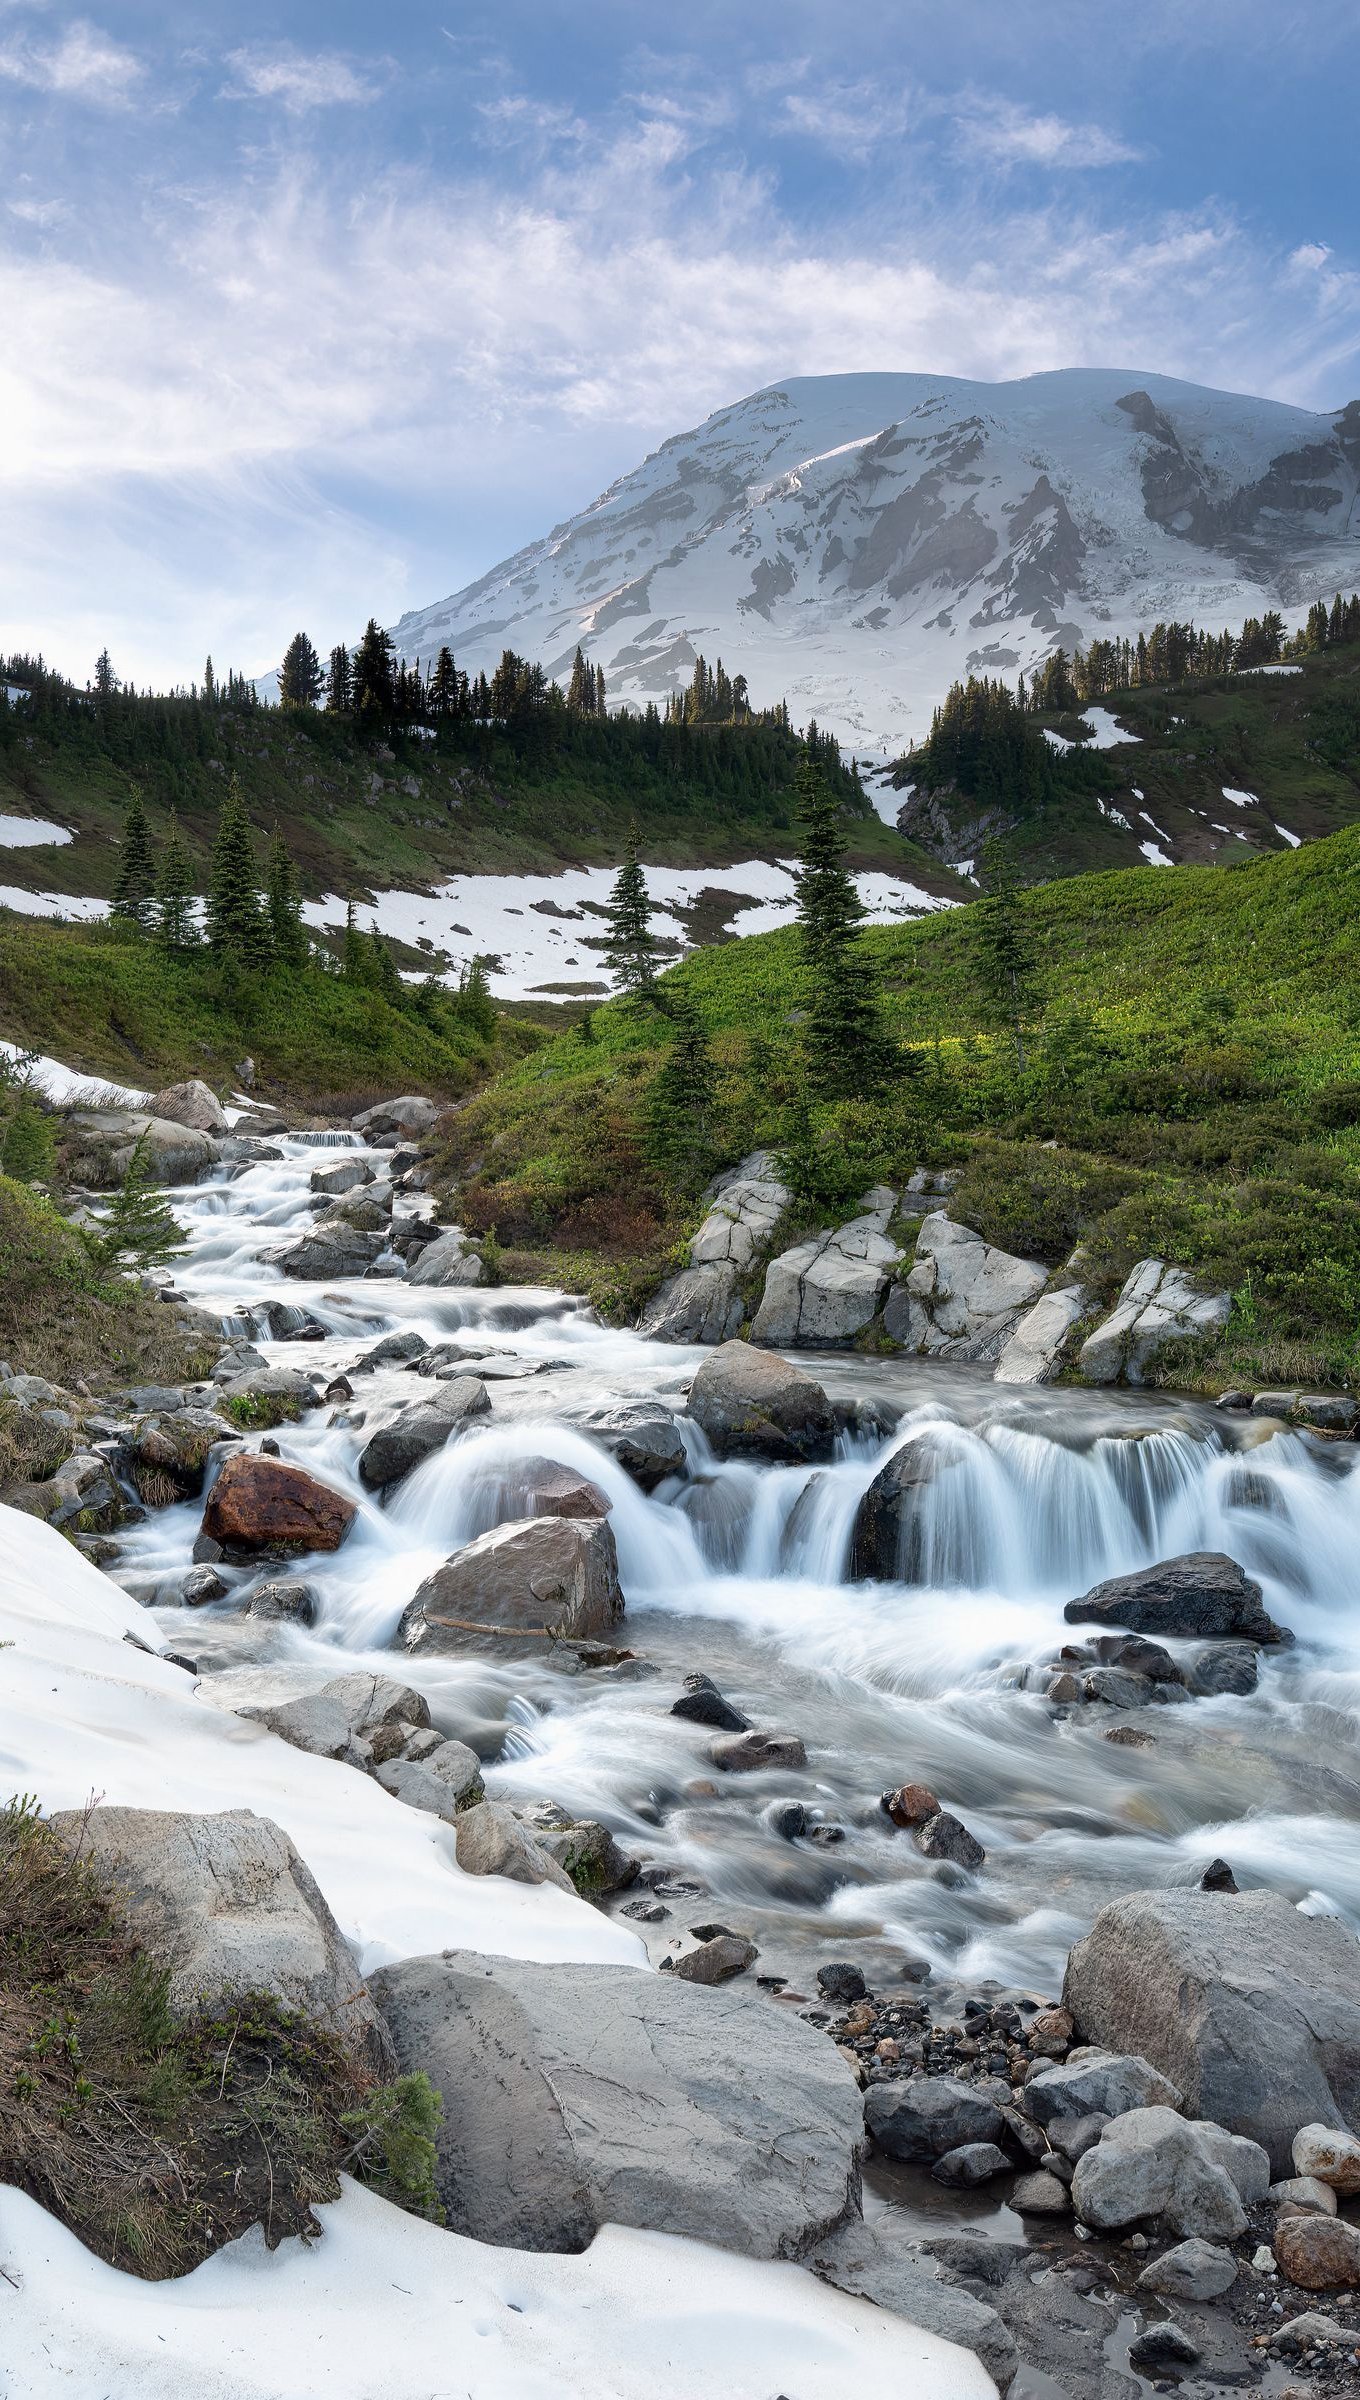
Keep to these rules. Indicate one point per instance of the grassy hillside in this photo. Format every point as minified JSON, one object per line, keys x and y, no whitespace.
{"x":1191,"y":1054}
{"x":112,"y":1006}
{"x":368,"y":812}
{"x":1290,"y":740}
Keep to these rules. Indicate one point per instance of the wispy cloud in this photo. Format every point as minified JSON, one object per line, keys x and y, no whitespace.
{"x":84,"y":64}
{"x":299,"y":80}
{"x":1006,"y":135}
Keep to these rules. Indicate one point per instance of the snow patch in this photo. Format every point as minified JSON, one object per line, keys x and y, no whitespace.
{"x":1271,"y":670}
{"x":62,"y":1084}
{"x":1106,"y":732}
{"x":1154,"y":856}
{"x":1058,"y":741}
{"x":29,"y":833}
{"x":1115,"y":815}
{"x":1240,"y":799}
{"x":1285,"y":835}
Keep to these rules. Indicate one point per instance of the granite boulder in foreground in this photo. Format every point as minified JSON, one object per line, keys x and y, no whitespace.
{"x":1251,"y":2008}
{"x":580,"y":2096}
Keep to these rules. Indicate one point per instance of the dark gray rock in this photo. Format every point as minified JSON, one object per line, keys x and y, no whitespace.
{"x":944,"y":1836}
{"x":1203,"y":1592}
{"x":1252,"y":2008}
{"x":642,"y":1435}
{"x":841,"y":1981}
{"x":752,"y":1404}
{"x":578,"y":2096}
{"x":1165,"y":2345}
{"x":1192,"y":2271}
{"x":420,"y":1430}
{"x":394,"y":1350}
{"x":519,"y":1590}
{"x":972,"y":2163}
{"x":703,"y":1704}
{"x":716,"y":1960}
{"x":1103,"y":2083}
{"x":873,"y":2263}
{"x":447,"y":1780}
{"x":928,"y":2116}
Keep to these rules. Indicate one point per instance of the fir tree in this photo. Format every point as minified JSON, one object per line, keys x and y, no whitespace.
{"x":373,"y":676}
{"x":355,"y":957}
{"x":209,"y":682}
{"x":338,"y":685}
{"x":237,"y":925}
{"x":844,"y":1036}
{"x":139,"y":1229}
{"x":105,"y":681}
{"x":29,"y":1147}
{"x":680,"y":1099}
{"x":630,"y":945}
{"x":442,"y":689}
{"x":472,"y":1002}
{"x":176,"y":918}
{"x":283,"y":908}
{"x":581,"y":689}
{"x":384,"y":974}
{"x":300,"y":677}
{"x":1003,"y":966}
{"x":135,"y":882}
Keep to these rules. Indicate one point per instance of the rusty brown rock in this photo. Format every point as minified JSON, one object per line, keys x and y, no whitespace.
{"x":910,"y":1804}
{"x":260,"y":1503}
{"x":1319,"y":2254}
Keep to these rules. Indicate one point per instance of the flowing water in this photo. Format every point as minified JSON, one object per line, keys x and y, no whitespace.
{"x":740,"y":1570}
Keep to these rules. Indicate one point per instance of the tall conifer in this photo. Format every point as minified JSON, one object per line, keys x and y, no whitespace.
{"x":134,"y":885}
{"x":844,"y":1036}
{"x":630,"y":944}
{"x":283,"y":907}
{"x":237,"y":925}
{"x":176,"y":919}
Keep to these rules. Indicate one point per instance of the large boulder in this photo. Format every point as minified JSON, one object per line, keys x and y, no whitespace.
{"x":751,"y":1405}
{"x":346,"y":1175}
{"x":1034,"y":1352}
{"x":331,"y":1722}
{"x":260,"y":1504}
{"x":923,"y":2119}
{"x":1153,"y":2163}
{"x":99,"y":1142}
{"x":420,"y":1430}
{"x":885,"y":1543}
{"x":1099,"y":2083}
{"x":1204,"y":1592}
{"x":520,"y":1589}
{"x":580,"y":2096}
{"x":447,"y":1262}
{"x":409,"y":1115}
{"x":703,"y":1303}
{"x":642,"y":1435}
{"x":191,"y":1104}
{"x":963,"y":1296}
{"x":1158,"y":1306}
{"x":1250,"y":2007}
{"x":329,"y":1253}
{"x":228,"y":1906}
{"x":490,"y":1840}
{"x":820,"y":1294}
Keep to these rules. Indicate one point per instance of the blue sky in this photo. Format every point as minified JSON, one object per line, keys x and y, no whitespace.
{"x":307,"y":314}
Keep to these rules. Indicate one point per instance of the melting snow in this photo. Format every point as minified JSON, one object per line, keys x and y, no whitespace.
{"x":1106,"y":732}
{"x":1285,"y":835}
{"x":27,"y":833}
{"x":62,"y":1084}
{"x":1240,"y":799}
{"x":1154,"y":856}
{"x":1058,"y":740}
{"x":1115,"y":815}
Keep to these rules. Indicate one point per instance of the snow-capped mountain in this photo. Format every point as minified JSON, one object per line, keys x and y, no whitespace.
{"x":855,"y":542}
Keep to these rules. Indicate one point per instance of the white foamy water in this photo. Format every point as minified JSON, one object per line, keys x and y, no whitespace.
{"x":1026,"y":1500}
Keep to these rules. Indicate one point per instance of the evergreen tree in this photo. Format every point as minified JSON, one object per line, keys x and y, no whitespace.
{"x":105,"y":681}
{"x":630,"y":945}
{"x":139,"y":1229}
{"x":135,"y":882}
{"x":338,"y":685}
{"x":209,"y":682}
{"x":844,"y":1035}
{"x":300,"y":677}
{"x":237,"y":925}
{"x":176,"y":919}
{"x":355,"y":957}
{"x":680,"y":1099}
{"x":384,"y":974}
{"x":1003,"y":964}
{"x":373,"y":686}
{"x":29,"y":1149}
{"x":581,"y":689}
{"x":442,"y":689}
{"x":287,"y":937}
{"x":472,"y":1002}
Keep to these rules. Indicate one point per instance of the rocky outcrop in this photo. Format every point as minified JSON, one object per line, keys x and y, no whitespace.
{"x":334,"y":1721}
{"x":409,"y":1115}
{"x":1158,"y":1305}
{"x":1250,"y":2007}
{"x":99,"y":1142}
{"x":261,"y":1504}
{"x":1205,"y":1592}
{"x":823,"y":1292}
{"x":81,"y":1497}
{"x":191,"y":1104}
{"x":579,"y":2096}
{"x":703,"y":1303}
{"x":228,"y":1906}
{"x":963,"y":1297}
{"x":751,"y":1405}
{"x":642,"y":1435}
{"x":447,"y":1263}
{"x":1034,"y":1351}
{"x":519,"y":1589}
{"x":420,"y":1430}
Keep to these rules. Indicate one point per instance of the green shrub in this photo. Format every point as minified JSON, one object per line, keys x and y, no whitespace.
{"x":1036,"y":1202}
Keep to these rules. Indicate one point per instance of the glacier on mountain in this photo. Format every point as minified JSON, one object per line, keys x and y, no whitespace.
{"x":855,"y":542}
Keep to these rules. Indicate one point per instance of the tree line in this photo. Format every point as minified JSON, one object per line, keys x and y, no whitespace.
{"x":1174,"y":651}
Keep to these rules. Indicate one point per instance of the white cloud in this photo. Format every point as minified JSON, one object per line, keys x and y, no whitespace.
{"x":41,"y":213}
{"x":850,"y":119}
{"x":1005,"y":135}
{"x":84,"y":65}
{"x":298,"y":80}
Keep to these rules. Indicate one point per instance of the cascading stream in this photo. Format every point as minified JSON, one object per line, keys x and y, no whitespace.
{"x":741,"y":1570}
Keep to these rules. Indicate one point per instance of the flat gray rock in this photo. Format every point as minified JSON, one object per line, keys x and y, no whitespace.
{"x":579,"y":2096}
{"x":929,"y":2115}
{"x":872,"y":2262}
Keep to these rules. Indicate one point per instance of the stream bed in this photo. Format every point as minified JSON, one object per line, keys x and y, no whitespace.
{"x":739,"y":1571}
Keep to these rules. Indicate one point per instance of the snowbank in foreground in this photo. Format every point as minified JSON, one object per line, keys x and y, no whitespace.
{"x":82,"y":1711}
{"x":384,"y":2304}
